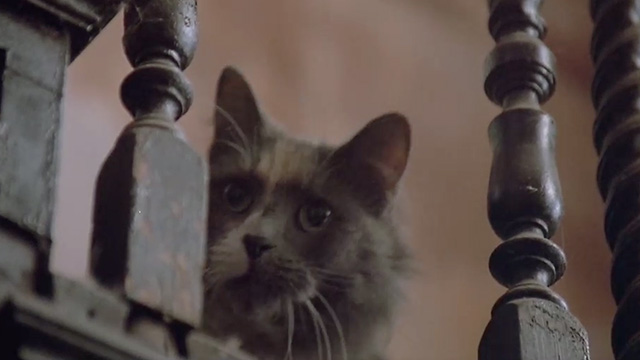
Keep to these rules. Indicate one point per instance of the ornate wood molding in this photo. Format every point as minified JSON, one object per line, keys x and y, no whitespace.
{"x":84,"y":19}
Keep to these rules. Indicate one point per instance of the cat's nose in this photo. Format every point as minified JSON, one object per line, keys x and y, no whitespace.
{"x":256,"y":246}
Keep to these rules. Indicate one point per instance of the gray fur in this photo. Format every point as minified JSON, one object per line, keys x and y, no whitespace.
{"x":350,"y":269}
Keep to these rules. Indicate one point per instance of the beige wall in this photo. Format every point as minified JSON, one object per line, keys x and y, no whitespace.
{"x":323,"y":69}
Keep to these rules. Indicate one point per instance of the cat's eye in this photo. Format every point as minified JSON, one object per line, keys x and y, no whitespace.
{"x":314,"y":216}
{"x":237,"y":197}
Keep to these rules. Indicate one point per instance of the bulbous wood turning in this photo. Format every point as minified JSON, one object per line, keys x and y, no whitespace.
{"x":529,"y":321}
{"x":615,"y":50}
{"x":160,"y":40}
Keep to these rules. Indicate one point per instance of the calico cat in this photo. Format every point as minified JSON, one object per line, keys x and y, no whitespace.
{"x":305,"y":261}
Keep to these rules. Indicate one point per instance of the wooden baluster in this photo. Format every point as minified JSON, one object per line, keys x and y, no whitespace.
{"x":529,"y":321}
{"x":615,"y":50}
{"x":150,"y":211}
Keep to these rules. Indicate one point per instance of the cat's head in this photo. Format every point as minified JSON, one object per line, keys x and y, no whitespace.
{"x":289,"y":219}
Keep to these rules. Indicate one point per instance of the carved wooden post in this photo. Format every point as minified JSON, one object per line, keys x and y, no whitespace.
{"x":38,"y":40}
{"x":149,"y":219}
{"x":615,"y":93}
{"x":529,"y":321}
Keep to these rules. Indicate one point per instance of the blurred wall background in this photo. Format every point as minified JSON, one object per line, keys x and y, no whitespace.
{"x":323,"y":69}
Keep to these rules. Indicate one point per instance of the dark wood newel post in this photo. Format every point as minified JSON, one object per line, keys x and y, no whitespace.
{"x":530,"y":321}
{"x":615,"y":49}
{"x":148,"y":242}
{"x":150,"y":211}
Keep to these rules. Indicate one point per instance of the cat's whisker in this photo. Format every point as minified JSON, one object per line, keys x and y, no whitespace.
{"x":338,"y":283}
{"x":323,"y":328}
{"x":220,"y":259}
{"x":212,"y":283}
{"x":334,"y":286}
{"x":289,"y":268}
{"x":220,"y":250}
{"x":215,"y":278}
{"x":291,"y":329}
{"x":243,"y":152}
{"x":329,"y":272}
{"x":336,"y":279}
{"x":337,"y":323}
{"x":316,"y":328}
{"x":255,"y":144}
{"x":328,"y":171}
{"x":235,"y":126}
{"x":335,"y":282}
{"x":335,"y":275}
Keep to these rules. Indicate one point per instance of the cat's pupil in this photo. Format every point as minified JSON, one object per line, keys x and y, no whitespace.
{"x":318,"y":215}
{"x":314,"y":216}
{"x":237,"y":197}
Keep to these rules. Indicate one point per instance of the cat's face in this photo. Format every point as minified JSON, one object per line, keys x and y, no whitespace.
{"x":289,"y":219}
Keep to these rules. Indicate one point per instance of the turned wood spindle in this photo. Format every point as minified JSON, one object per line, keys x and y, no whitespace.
{"x":529,"y":321}
{"x":615,"y":50}
{"x":149,"y":218}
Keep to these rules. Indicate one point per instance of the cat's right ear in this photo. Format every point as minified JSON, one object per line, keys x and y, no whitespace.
{"x":238,"y":121}
{"x":373,"y":161}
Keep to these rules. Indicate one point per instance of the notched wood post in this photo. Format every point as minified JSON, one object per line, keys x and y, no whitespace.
{"x":530,"y":321}
{"x":149,"y":218}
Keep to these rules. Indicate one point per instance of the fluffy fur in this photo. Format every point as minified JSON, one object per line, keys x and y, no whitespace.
{"x":305,"y":261}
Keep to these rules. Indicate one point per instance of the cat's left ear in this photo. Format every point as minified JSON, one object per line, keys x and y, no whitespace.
{"x":238,"y":121}
{"x":374,"y":160}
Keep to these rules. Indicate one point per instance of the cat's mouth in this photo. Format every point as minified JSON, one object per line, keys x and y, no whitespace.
{"x":262,"y":286}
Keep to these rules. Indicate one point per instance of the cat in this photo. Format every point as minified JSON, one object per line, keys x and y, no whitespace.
{"x":304,"y":258}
